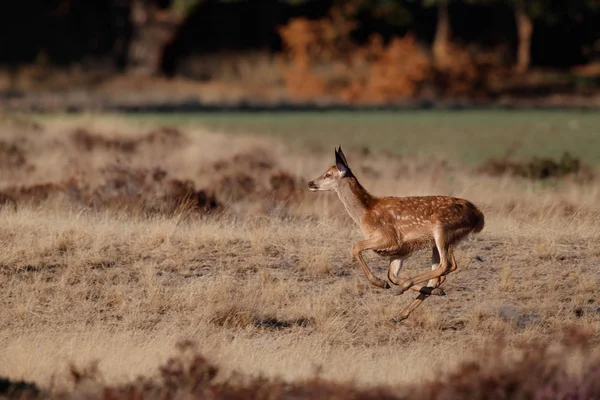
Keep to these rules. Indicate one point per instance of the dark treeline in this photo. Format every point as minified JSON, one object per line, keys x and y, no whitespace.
{"x":153,"y":35}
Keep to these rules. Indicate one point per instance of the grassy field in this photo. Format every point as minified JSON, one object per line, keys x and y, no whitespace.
{"x":467,"y":136}
{"x":101,"y":262}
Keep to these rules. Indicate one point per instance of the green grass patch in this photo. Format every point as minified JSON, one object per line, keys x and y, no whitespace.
{"x":470,"y":136}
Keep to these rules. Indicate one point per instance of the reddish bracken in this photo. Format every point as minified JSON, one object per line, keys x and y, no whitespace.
{"x":395,"y":227}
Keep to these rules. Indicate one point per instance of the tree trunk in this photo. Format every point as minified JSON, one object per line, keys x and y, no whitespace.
{"x":153,"y":29}
{"x":524,"y":31}
{"x":443,"y":33}
{"x":120,"y":52}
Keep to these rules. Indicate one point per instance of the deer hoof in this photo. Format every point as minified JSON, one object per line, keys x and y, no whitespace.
{"x":382,"y":284}
{"x":398,"y":290}
{"x":404,"y":286}
{"x":397,"y":320}
{"x":432,"y":291}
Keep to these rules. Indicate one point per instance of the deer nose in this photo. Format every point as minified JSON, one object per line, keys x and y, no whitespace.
{"x":311,"y":185}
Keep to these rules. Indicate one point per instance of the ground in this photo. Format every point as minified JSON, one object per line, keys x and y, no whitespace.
{"x":101,"y":261}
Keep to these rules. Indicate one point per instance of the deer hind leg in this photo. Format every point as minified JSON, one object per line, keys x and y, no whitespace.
{"x":411,"y":307}
{"x":442,"y":269}
{"x":420,"y":298}
{"x":394,"y":270}
{"x":435,"y":262}
{"x":394,"y":277}
{"x":453,"y":265}
{"x":369,"y":244}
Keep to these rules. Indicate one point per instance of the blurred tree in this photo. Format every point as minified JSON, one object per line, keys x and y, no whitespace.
{"x":443,"y":31}
{"x":553,"y":13}
{"x":524,"y":31}
{"x":155,"y":24}
{"x":139,"y":34}
{"x":556,"y":14}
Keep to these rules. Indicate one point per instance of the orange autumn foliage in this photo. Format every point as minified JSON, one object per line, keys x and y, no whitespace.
{"x":320,"y":59}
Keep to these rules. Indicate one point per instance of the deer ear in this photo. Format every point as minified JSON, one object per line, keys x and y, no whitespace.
{"x":343,"y":157}
{"x":340,"y":161}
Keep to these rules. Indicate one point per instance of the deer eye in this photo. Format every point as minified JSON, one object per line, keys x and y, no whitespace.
{"x":328,"y":175}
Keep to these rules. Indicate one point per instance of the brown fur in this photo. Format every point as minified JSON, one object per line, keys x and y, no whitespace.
{"x":395,"y":227}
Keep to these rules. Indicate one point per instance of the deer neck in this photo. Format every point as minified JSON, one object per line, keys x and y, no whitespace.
{"x":355,"y":198}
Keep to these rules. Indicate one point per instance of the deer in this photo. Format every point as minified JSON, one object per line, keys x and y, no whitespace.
{"x":396,"y":227}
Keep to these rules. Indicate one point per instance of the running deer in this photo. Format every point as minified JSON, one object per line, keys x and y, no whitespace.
{"x":395,"y":227}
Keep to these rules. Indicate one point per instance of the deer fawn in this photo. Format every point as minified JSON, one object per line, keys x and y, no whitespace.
{"x":395,"y":227}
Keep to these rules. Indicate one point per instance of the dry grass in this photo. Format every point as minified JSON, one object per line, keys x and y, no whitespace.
{"x":265,"y":284}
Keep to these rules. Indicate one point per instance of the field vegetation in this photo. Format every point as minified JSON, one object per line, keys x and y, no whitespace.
{"x":123,"y":236}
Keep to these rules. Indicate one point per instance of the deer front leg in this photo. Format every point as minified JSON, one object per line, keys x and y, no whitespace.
{"x":369,"y":244}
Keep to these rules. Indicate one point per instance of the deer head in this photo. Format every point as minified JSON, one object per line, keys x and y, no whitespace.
{"x":333,"y":177}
